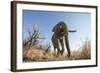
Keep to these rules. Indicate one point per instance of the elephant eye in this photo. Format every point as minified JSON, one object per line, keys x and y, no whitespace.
{"x":62,"y":30}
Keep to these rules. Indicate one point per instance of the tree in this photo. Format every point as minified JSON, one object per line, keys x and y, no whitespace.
{"x":32,"y":39}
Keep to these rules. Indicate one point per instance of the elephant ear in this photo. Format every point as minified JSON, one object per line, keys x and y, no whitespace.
{"x":55,"y":28}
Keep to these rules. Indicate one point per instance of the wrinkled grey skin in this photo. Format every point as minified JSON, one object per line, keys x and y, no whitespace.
{"x":60,"y":36}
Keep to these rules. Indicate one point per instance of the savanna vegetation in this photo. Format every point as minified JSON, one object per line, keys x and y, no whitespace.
{"x":34,"y":51}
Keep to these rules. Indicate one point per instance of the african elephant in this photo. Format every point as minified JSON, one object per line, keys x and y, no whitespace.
{"x":60,"y":36}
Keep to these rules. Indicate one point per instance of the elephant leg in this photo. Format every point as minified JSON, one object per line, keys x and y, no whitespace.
{"x":58,"y":49}
{"x":54,"y":49}
{"x":67,"y":45}
{"x":55,"y":44}
{"x":62,"y":45}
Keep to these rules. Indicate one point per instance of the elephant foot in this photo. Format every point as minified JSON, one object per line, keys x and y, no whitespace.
{"x":61,"y":52}
{"x":58,"y":52}
{"x":68,"y":55}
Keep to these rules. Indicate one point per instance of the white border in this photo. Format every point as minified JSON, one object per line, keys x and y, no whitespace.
{"x":21,"y":65}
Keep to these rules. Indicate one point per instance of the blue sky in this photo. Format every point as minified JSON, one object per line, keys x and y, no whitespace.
{"x":46,"y":20}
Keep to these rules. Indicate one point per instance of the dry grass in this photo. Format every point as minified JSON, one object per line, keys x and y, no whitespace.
{"x":36,"y":54}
